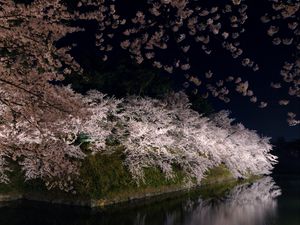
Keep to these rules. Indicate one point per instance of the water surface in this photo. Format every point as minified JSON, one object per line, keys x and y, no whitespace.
{"x":261,"y":203}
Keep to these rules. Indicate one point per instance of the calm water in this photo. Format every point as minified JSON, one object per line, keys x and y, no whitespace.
{"x":262,"y":203}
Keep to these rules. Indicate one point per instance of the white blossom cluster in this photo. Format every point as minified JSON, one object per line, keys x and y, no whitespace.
{"x":168,"y":133}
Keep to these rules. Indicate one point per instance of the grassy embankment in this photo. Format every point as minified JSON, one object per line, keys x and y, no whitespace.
{"x":104,"y":177}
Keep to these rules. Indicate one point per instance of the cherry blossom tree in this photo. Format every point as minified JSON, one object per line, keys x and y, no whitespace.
{"x":34,"y":112}
{"x":41,"y":120}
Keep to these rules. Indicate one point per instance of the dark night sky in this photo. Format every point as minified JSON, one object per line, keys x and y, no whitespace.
{"x":270,"y":121}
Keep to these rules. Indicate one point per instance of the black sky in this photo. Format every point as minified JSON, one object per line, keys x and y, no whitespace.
{"x":270,"y":121}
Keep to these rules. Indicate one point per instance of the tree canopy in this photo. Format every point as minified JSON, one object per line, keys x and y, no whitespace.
{"x":41,"y":117}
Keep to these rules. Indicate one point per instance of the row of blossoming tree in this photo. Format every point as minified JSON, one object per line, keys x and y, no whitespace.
{"x":155,"y":133}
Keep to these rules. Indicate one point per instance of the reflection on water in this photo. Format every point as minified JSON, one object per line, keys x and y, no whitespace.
{"x":245,"y":204}
{"x":249,"y":204}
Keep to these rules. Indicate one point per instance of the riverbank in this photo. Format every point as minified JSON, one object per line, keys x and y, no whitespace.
{"x":211,"y":188}
{"x":105,"y":181}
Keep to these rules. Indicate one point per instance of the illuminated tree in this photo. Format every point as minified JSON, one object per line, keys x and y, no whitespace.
{"x":33,"y":110}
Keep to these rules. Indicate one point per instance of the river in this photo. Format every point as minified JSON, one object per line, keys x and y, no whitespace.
{"x":268,"y":201}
